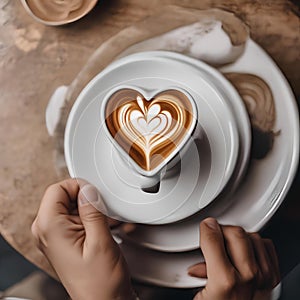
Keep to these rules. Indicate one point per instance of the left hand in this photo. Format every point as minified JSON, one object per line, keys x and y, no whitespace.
{"x":76,"y":239}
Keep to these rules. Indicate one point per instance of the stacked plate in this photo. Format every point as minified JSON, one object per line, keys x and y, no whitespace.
{"x":209,"y":182}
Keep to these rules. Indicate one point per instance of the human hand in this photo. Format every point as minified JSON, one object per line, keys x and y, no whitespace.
{"x":239,"y":265}
{"x":76,"y":239}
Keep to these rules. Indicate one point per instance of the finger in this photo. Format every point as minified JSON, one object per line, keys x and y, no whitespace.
{"x":55,"y":202}
{"x":212,"y":244}
{"x":264,"y":279}
{"x":241,"y":253}
{"x":273,"y":261}
{"x":198,"y":270}
{"x":91,"y":211}
{"x":59,"y":198}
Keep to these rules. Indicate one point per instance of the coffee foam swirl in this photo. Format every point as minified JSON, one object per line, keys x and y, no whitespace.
{"x":257,"y":97}
{"x":148,"y":130}
{"x":56,"y":10}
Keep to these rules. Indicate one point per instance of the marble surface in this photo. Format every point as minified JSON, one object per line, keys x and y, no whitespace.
{"x":35,"y":59}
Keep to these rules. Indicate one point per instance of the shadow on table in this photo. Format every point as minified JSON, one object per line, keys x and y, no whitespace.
{"x":13,"y":266}
{"x":20,"y":278}
{"x":284,"y":230}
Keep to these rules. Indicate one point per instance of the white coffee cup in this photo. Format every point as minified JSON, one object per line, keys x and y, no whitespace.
{"x":148,"y":180}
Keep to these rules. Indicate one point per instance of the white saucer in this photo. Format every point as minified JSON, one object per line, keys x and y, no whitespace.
{"x":267,"y":181}
{"x":90,"y":155}
{"x":162,"y":269}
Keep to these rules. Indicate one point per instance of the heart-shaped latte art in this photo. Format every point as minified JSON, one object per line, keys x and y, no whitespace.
{"x":149,"y":130}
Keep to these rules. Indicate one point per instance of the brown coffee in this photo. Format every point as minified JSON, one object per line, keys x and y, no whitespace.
{"x":53,"y":10}
{"x":148,"y":130}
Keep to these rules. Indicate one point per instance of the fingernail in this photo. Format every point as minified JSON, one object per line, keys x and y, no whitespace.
{"x":89,"y":195}
{"x":191,"y":268}
{"x":191,"y":273}
{"x":211,"y":223}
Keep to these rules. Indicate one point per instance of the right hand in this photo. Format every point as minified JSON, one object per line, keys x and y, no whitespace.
{"x":239,"y":265}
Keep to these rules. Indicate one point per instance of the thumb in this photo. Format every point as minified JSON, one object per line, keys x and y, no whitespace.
{"x":91,"y":210}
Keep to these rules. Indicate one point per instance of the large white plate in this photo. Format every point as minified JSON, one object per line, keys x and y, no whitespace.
{"x":266,"y":182}
{"x":90,"y":155}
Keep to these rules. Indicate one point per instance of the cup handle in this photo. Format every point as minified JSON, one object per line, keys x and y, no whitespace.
{"x":152,"y":184}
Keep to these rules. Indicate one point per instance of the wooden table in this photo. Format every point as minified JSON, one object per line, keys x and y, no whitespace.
{"x":35,"y":59}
